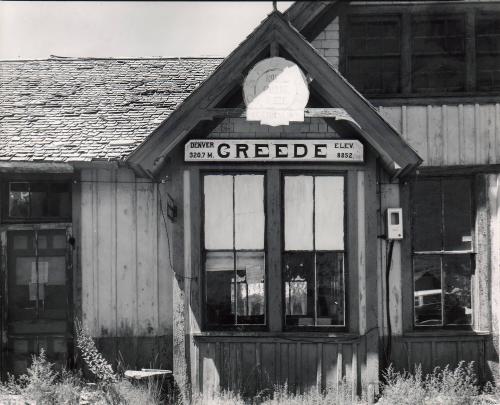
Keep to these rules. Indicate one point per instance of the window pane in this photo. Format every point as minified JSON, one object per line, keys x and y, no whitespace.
{"x":299,"y":288}
{"x":218,"y":212}
{"x":298,"y":213}
{"x":250,"y":302}
{"x":488,"y":52}
{"x":249,"y":211}
{"x":329,"y":213}
{"x":330,"y":280}
{"x":59,"y":200}
{"x":19,"y":200}
{"x":373,"y":53}
{"x":457,"y":214}
{"x":427,"y":288}
{"x":457,"y":281}
{"x":427,"y":218}
{"x":219,"y":279}
{"x":38,"y":200}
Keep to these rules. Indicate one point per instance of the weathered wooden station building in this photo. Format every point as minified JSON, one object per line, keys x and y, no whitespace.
{"x":322,"y":202}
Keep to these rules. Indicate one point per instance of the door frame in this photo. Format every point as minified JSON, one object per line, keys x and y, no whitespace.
{"x":4,"y":229}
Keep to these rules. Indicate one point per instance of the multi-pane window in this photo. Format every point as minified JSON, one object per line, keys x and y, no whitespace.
{"x":313,"y":257}
{"x":374,"y":54}
{"x":488,"y":51}
{"x":438,"y":53}
{"x":442,"y":251}
{"x":234,"y":256}
{"x":411,"y":53}
{"x":40,"y":200}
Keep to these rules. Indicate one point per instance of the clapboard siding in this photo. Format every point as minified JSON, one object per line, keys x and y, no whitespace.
{"x":126,"y":277}
{"x":449,"y":135}
{"x":249,"y":365}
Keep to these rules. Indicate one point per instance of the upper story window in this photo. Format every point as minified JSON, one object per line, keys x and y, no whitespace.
{"x":38,"y":201}
{"x":234,"y":227}
{"x":313,"y":257}
{"x":424,"y":53}
{"x":442,"y":251}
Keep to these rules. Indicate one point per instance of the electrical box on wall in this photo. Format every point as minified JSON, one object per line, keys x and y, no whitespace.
{"x":394,"y":223}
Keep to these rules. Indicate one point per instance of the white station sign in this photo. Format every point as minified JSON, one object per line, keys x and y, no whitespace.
{"x":273,"y":150}
{"x":275,"y":92}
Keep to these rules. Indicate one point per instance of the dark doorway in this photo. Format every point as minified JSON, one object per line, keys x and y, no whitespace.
{"x":38,"y":297}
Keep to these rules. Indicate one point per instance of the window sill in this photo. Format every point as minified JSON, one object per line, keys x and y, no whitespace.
{"x":264,"y":335}
{"x":456,"y":333}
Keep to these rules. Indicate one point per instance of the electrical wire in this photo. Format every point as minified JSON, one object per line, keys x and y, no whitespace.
{"x":162,"y":211}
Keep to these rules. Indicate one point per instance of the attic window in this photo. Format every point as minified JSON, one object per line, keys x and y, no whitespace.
{"x":39,"y":200}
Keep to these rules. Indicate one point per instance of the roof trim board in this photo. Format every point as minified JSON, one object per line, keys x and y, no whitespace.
{"x":396,"y":155}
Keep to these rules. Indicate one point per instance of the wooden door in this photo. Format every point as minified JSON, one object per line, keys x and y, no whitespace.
{"x":38,"y":304}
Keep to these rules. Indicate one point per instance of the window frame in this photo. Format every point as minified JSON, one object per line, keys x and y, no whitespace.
{"x":5,"y":191}
{"x":346,"y":275}
{"x":203,"y":251}
{"x":470,"y":13}
{"x":470,"y":253}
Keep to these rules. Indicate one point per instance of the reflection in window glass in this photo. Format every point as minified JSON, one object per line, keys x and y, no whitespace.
{"x":330,"y":284}
{"x":313,"y":261}
{"x":442,"y":247}
{"x":19,"y":200}
{"x":427,"y":290}
{"x":299,"y":287}
{"x":39,"y":200}
{"x":234,"y":249}
{"x":457,"y":283}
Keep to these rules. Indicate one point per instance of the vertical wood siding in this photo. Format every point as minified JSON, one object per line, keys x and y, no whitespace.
{"x":126,"y":276}
{"x":249,"y":365}
{"x":449,"y":135}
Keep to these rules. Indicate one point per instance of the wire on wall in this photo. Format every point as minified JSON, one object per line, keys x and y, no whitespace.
{"x":162,"y":211}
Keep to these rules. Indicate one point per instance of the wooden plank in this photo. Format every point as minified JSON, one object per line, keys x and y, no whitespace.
{"x":308,"y":366}
{"x":421,"y":353}
{"x":469,"y":132}
{"x":371,"y":232}
{"x":435,"y":135}
{"x":451,"y":133}
{"x":106,"y":252}
{"x":416,"y":117}
{"x":147,"y":260}
{"x":337,"y":113}
{"x":268,"y":364}
{"x":445,"y":354}
{"x":76,"y":217}
{"x":89,"y":296}
{"x":164,"y":260}
{"x":488,"y":133}
{"x":329,"y":363}
{"x":35,"y":167}
{"x":273,"y":228}
{"x":359,"y":248}
{"x":394,"y":116}
{"x":126,"y":242}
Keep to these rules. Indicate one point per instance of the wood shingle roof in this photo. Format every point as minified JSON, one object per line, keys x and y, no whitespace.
{"x":73,"y":110}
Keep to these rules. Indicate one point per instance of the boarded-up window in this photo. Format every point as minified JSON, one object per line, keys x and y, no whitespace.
{"x":442,"y":251}
{"x":313,"y":258}
{"x":234,"y":249}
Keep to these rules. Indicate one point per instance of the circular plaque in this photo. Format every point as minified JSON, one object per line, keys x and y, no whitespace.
{"x":275,"y":92}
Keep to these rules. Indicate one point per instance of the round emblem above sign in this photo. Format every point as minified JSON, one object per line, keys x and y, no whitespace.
{"x":275,"y":92}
